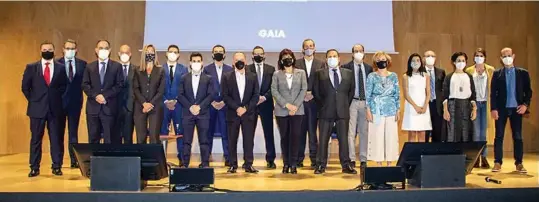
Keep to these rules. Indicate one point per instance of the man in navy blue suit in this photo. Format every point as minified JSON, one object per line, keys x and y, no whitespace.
{"x":43,"y":84}
{"x":196,"y":92}
{"x":102,"y":82}
{"x":218,"y":110}
{"x":173,"y":112}
{"x":72,"y":98}
{"x":125,"y":123}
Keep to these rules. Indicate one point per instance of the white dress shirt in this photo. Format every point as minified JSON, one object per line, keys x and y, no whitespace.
{"x":195,"y":81}
{"x":173,"y":68}
{"x":51,"y":67}
{"x":480,"y":82}
{"x":459,"y":88}
{"x":308,"y":65}
{"x":358,"y":67}
{"x":73,"y":63}
{"x":289,"y":79}
{"x":240,"y":80}
{"x":219,"y":70}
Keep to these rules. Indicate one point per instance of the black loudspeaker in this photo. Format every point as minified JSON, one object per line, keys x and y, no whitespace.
{"x":376,"y":176}
{"x":115,"y":174}
{"x":191,"y":179}
{"x":437,"y":171}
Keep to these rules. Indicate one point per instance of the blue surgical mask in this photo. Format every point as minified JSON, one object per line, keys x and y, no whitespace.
{"x":333,"y":62}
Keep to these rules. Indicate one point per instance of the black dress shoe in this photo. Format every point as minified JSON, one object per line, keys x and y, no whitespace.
{"x":363,"y":164}
{"x":286,"y":169}
{"x":353,"y":164}
{"x":232,"y":169}
{"x":33,"y":173}
{"x":75,"y":165}
{"x":294,"y":170}
{"x":349,"y":170}
{"x":313,"y":165}
{"x":271,"y":165}
{"x":250,"y":169}
{"x":300,"y":165}
{"x":57,"y":171}
{"x":320,"y":170}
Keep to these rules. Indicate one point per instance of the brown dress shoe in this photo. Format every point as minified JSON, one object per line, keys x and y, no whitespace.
{"x":497,"y":167}
{"x":521,"y":169}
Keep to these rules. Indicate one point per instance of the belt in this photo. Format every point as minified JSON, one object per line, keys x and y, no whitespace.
{"x":356,"y":98}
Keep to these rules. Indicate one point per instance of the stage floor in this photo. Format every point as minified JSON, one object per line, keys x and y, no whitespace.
{"x":14,"y":170}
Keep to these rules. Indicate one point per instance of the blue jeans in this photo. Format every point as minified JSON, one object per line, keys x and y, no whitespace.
{"x":480,"y":125}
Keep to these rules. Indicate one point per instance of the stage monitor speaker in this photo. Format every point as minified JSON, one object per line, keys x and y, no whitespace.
{"x":383,"y":175}
{"x":115,"y":174}
{"x":192,"y":176}
{"x":437,"y":171}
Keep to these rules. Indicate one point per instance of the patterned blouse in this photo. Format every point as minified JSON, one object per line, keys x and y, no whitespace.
{"x":383,"y":95}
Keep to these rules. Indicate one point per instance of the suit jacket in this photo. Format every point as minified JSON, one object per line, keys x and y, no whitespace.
{"x":284,"y":95}
{"x":41,"y":98}
{"x":112,"y":85}
{"x":72,"y":98}
{"x":149,"y":89}
{"x":498,"y":90}
{"x":172,"y":88}
{"x":265,"y":86}
{"x":211,"y":70}
{"x":231,"y":95}
{"x":203,"y":98}
{"x":317,"y":65}
{"x":126,"y":97}
{"x":368,"y":70}
{"x":439,"y":85}
{"x":333,"y":103}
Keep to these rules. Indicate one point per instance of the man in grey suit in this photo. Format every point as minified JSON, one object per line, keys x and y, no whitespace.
{"x":358,"y":108}
{"x":124,"y":124}
{"x":333,"y":91}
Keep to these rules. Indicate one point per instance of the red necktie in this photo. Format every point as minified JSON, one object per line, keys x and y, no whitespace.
{"x":47,"y":74}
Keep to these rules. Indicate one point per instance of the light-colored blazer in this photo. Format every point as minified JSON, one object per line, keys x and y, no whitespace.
{"x":490,"y":121}
{"x":284,"y":95}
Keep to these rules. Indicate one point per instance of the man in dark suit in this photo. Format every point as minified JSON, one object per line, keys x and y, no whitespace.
{"x":437,"y":76}
{"x":173,"y":110}
{"x":333,"y":91}
{"x":43,"y":84}
{"x":510,"y":97}
{"x":264,"y":74}
{"x":72,"y":98}
{"x":218,"y":111}
{"x":125,"y":123}
{"x":195,"y":93}
{"x":310,"y":65}
{"x":240,"y":93}
{"x":358,"y":108}
{"x":102,"y":82}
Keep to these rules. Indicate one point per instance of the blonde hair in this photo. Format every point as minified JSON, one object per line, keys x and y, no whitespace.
{"x":381,"y":54}
{"x":143,"y":64}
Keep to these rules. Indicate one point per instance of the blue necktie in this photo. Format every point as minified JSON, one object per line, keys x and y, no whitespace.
{"x":432,"y":86}
{"x":125,"y":71}
{"x":335,"y":79}
{"x":102,"y":72}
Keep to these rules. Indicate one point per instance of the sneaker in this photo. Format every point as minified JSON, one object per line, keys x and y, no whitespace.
{"x":521,"y":169}
{"x":497,"y":167}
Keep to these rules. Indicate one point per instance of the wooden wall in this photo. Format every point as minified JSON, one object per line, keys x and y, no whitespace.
{"x":444,"y":27}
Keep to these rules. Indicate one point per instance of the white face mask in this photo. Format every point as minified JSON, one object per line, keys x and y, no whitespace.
{"x":479,"y":60}
{"x":460,"y":65}
{"x":172,"y":57}
{"x":70,"y":54}
{"x":416,"y":65}
{"x":358,"y":56}
{"x":103,"y":54}
{"x":124,"y":58}
{"x":507,"y":60}
{"x":333,"y":62}
{"x":196,"y":66}
{"x":430,"y":60}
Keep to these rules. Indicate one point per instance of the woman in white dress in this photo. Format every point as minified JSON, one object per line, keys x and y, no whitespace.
{"x":416,"y":82}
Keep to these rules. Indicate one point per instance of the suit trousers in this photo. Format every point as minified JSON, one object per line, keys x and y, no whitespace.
{"x":73,"y":120}
{"x":56,"y":138}
{"x":248,"y":131}
{"x":341,"y":126}
{"x":100,"y":124}
{"x":202,"y":126}
{"x":219,"y":124}
{"x":124,"y":126}
{"x":290,"y":138}
{"x":515,"y":120}
{"x":148,"y":124}
{"x":265,"y":112}
{"x":176,"y":117}
{"x":358,"y":126}
{"x":308,"y":129}
{"x":438,"y":123}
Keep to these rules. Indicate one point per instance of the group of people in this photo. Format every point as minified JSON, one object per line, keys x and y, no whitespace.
{"x":310,"y":99}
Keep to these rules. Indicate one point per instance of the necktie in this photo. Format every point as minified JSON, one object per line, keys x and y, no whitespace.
{"x":360,"y":86}
{"x":259,"y":75}
{"x":125,"y":71}
{"x":47,"y":74}
{"x":171,"y":73}
{"x":432,"y":86}
{"x":102,"y":72}
{"x":335,"y":79}
{"x":70,"y":70}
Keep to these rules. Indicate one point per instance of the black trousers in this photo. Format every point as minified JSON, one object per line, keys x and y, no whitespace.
{"x":290,"y":135}
{"x":202,"y":125}
{"x":72,"y":121}
{"x":515,"y":120}
{"x":100,"y":124}
{"x":308,"y":129}
{"x":248,"y":131}
{"x":56,"y":138}
{"x":437,"y":120}
{"x":148,"y":124}
{"x":341,"y":126}
{"x":265,"y":111}
{"x":124,"y":126}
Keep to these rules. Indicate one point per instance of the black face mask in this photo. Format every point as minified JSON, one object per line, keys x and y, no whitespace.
{"x":287,"y":62}
{"x":218,"y":57}
{"x":47,"y":55}
{"x":258,"y":58}
{"x":381,"y":64}
{"x":150,"y":57}
{"x":239,"y":65}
